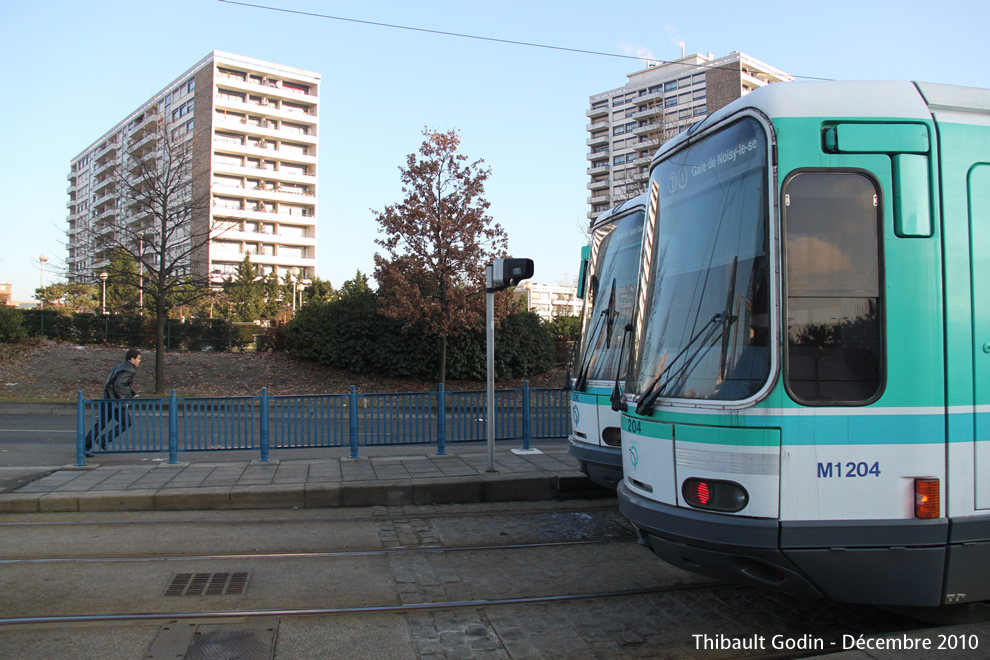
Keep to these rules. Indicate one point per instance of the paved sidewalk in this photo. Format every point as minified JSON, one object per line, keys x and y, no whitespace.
{"x":402,"y":475}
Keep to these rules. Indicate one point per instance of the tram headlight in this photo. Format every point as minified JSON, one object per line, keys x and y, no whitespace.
{"x":927,"y":498}
{"x":715,"y":495}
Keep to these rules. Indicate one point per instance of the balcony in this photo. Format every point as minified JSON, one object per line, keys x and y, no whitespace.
{"x":596,"y":112}
{"x":597,"y":139}
{"x":599,"y":199}
{"x":599,"y":184}
{"x":271,"y":87}
{"x":646,"y":98}
{"x":250,"y":107}
{"x":601,"y":169}
{"x":243,"y":126}
{"x":105,"y":166}
{"x":596,"y":125}
{"x":597,"y":153}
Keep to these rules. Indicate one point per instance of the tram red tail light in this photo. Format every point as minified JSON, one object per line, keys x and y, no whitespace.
{"x":714,"y":495}
{"x":927,"y":498}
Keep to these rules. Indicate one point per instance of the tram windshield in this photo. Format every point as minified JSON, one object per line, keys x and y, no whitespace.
{"x":611,"y":293}
{"x":703,"y":331}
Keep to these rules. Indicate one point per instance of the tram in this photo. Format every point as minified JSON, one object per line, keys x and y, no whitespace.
{"x":609,"y":271}
{"x":807,"y":405}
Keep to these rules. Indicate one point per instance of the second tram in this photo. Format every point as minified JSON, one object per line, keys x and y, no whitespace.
{"x":608,"y":282}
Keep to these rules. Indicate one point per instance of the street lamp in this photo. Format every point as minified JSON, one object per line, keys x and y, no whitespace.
{"x":103,"y":295}
{"x":42,"y":260}
{"x":294,"y":274}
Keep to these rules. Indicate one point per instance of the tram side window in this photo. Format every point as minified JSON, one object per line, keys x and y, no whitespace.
{"x":834,"y":333}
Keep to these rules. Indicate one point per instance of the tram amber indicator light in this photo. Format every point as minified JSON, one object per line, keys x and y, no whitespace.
{"x":927,"y":500}
{"x":715,"y":495}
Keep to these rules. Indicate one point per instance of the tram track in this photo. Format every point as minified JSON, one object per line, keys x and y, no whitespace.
{"x":308,"y":555}
{"x":43,"y":621}
{"x":519,"y":576}
{"x":578,"y":508}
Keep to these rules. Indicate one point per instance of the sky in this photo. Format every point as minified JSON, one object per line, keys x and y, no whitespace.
{"x":75,"y":69}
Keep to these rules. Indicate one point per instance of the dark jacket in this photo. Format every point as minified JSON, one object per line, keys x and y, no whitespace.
{"x":119,"y":381}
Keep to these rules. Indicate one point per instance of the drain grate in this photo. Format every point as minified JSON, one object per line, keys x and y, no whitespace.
{"x":207,"y":584}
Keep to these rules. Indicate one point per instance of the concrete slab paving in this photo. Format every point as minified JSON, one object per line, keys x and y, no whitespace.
{"x":393,"y":476}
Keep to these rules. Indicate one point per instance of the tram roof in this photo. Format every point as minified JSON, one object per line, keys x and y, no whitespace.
{"x":638,"y":200}
{"x":861,"y":99}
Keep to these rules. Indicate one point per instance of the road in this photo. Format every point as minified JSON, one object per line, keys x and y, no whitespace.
{"x":509,"y":580}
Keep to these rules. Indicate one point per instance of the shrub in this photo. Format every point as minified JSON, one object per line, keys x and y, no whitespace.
{"x":11,"y":325}
{"x":349,"y":333}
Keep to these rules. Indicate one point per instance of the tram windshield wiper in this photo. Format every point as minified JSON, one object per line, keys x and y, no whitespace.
{"x":708,"y":332}
{"x":618,"y":404}
{"x":607,"y":315}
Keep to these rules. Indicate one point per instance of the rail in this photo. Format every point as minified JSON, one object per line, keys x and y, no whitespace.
{"x":263,"y":423}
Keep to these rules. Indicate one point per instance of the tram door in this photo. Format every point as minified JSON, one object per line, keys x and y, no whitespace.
{"x":979,"y":254}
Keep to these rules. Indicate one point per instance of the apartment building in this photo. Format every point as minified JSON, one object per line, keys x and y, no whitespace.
{"x":549,"y":301}
{"x":252,"y":127}
{"x":629,"y":123}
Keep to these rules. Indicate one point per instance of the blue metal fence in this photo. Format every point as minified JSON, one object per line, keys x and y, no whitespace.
{"x":353,"y":420}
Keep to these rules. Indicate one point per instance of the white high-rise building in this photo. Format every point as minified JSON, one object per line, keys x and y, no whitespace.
{"x":252,"y":127}
{"x":629,"y":123}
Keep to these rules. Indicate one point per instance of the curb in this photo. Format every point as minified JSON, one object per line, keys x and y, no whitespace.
{"x":398,"y":492}
{"x":48,"y":409}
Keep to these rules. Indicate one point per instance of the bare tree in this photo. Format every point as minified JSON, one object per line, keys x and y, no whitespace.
{"x":438,"y":242}
{"x":162,"y":222}
{"x":661,"y":126}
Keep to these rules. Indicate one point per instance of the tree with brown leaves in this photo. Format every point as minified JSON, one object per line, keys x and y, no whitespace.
{"x":438,"y":242}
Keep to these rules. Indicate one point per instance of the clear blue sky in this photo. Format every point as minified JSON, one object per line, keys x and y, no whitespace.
{"x":74,"y":69}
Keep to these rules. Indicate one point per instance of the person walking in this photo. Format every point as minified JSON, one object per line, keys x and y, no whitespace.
{"x":114,"y":417}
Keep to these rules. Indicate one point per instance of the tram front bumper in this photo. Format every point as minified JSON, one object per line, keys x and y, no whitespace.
{"x":602,"y":464}
{"x":873,"y":566}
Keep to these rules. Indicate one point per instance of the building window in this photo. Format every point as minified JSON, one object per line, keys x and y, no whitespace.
{"x":191,"y":86}
{"x":670,"y":103}
{"x":670,"y":86}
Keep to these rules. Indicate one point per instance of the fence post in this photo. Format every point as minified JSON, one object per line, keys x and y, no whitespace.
{"x":353,"y":421}
{"x":441,"y":421}
{"x":264,"y":425}
{"x":173,"y":429}
{"x":526,"y":416}
{"x":80,"y":423}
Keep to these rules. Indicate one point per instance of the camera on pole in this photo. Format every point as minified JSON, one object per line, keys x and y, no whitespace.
{"x":510,"y":272}
{"x":499,"y":275}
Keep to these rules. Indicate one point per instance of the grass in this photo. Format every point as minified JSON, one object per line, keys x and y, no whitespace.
{"x":48,"y":371}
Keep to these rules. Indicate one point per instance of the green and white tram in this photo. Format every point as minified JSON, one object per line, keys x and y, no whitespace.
{"x":807,"y":405}
{"x":609,"y":271}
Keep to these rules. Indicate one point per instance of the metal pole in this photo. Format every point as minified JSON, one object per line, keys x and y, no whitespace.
{"x":80,"y":425}
{"x":490,"y":344}
{"x":173,"y":428}
{"x":264,"y":426}
{"x":353,"y":421}
{"x":141,"y":274}
{"x":441,"y":420}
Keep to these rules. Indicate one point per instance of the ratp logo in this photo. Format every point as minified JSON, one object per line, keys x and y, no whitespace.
{"x":633,"y":455}
{"x":576,"y":414}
